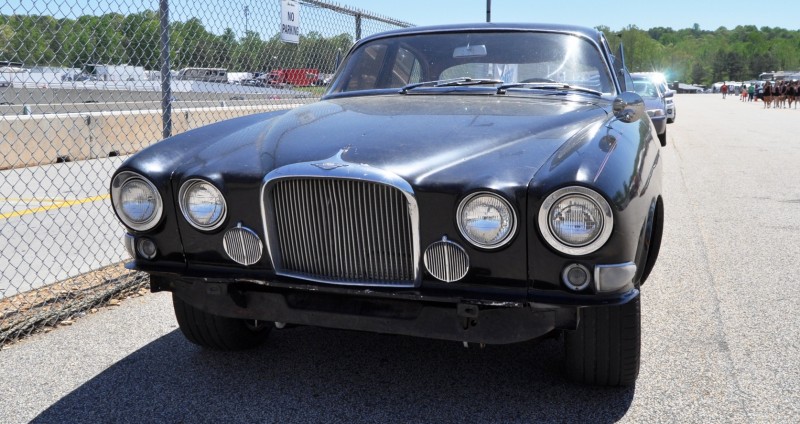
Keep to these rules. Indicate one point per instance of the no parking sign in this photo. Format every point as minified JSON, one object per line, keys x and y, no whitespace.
{"x":290,"y":21}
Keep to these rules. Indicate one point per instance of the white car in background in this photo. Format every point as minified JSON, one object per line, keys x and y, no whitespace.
{"x":661,"y":81}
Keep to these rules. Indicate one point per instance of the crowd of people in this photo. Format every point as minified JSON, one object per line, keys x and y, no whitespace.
{"x":773,"y":94}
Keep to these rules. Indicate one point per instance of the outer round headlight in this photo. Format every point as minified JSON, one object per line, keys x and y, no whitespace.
{"x":486,"y":220}
{"x":576,"y":220}
{"x":202,"y":204}
{"x":136,"y":201}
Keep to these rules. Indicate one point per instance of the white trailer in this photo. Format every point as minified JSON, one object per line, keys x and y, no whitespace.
{"x":102,"y":72}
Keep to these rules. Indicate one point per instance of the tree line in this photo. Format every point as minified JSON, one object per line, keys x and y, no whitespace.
{"x":692,"y":55}
{"x":135,"y":40}
{"x":702,"y":57}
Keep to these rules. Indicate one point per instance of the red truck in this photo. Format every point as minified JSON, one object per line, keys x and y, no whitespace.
{"x":300,"y":77}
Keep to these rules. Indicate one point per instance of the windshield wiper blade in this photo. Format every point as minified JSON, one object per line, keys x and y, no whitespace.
{"x":412,"y":86}
{"x":451,"y":83}
{"x":469,"y":81}
{"x":557,"y":86}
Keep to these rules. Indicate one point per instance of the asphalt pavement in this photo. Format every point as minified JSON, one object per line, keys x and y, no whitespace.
{"x":721,"y":339}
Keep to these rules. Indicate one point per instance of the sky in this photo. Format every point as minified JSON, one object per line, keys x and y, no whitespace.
{"x":618,"y":14}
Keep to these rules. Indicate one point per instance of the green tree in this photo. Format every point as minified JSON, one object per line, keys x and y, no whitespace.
{"x":699,"y":73}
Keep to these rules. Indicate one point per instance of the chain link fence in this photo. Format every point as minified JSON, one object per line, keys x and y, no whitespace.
{"x":84,"y":84}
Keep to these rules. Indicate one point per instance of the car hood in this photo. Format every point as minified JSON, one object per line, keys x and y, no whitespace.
{"x":652,"y":103}
{"x":424,"y":139}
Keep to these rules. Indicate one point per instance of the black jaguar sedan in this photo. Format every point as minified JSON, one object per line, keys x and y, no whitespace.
{"x":487,"y":183}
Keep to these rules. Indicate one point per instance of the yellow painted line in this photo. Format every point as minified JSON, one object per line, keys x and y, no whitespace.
{"x":32,"y":199}
{"x":57,"y":205}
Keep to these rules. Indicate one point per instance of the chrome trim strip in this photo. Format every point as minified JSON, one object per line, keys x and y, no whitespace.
{"x":336,"y":168}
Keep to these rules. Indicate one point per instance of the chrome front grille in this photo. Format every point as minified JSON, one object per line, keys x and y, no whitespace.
{"x":447,"y":261}
{"x":242,"y":245}
{"x":342,"y":231}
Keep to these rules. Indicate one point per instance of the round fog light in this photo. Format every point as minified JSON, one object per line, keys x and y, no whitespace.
{"x":146,"y":248}
{"x":576,"y":277}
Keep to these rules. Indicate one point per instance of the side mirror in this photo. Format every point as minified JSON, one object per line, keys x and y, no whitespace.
{"x":669,"y":93}
{"x":629,"y":107}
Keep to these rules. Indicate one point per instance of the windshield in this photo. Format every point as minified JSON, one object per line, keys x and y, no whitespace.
{"x":477,"y":58}
{"x":645,"y":88}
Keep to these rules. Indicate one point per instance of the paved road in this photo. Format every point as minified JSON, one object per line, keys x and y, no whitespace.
{"x":96,"y":97}
{"x":721,"y":336}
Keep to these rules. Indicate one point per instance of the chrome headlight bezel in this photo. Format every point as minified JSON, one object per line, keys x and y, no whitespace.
{"x":183,"y":197}
{"x":117,"y":189}
{"x":511,"y":224}
{"x":576,"y":249}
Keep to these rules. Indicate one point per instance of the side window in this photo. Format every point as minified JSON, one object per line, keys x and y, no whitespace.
{"x":368,"y":67}
{"x":406,"y":69}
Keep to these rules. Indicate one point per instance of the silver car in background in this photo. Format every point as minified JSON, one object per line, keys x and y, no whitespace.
{"x":655,"y":101}
{"x":661,"y":82}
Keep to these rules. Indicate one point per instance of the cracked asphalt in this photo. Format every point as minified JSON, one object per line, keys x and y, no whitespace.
{"x":720,"y":344}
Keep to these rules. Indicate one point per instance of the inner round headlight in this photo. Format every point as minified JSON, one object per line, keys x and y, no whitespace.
{"x":202,"y":204}
{"x":576,"y":220}
{"x":486,"y":220}
{"x":136,"y":201}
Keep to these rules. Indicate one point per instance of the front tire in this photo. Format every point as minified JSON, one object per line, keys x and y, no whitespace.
{"x":663,"y":138}
{"x":217,"y":332}
{"x":605,"y":350}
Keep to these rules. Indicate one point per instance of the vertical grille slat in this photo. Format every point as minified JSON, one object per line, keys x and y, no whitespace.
{"x":242,"y":245}
{"x":343,"y":231}
{"x":446,"y":261}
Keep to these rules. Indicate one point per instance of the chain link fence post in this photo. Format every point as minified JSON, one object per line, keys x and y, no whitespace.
{"x":83,"y":85}
{"x":166,"y":76}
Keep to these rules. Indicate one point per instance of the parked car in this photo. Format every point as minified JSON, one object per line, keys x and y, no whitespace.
{"x":655,"y":102}
{"x":485,"y":184}
{"x":660,"y":81}
{"x":254,"y":82}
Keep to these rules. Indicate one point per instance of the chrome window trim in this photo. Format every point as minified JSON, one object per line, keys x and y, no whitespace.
{"x":337,"y":168}
{"x":577,"y":250}
{"x":116,"y":187}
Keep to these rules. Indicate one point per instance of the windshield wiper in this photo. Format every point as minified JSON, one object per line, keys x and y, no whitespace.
{"x":556,"y":86}
{"x":451,"y":83}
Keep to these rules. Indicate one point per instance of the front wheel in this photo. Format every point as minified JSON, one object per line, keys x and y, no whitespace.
{"x":605,"y":350}
{"x":217,"y":332}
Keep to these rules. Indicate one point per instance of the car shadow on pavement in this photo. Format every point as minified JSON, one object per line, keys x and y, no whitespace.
{"x":309,"y":374}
